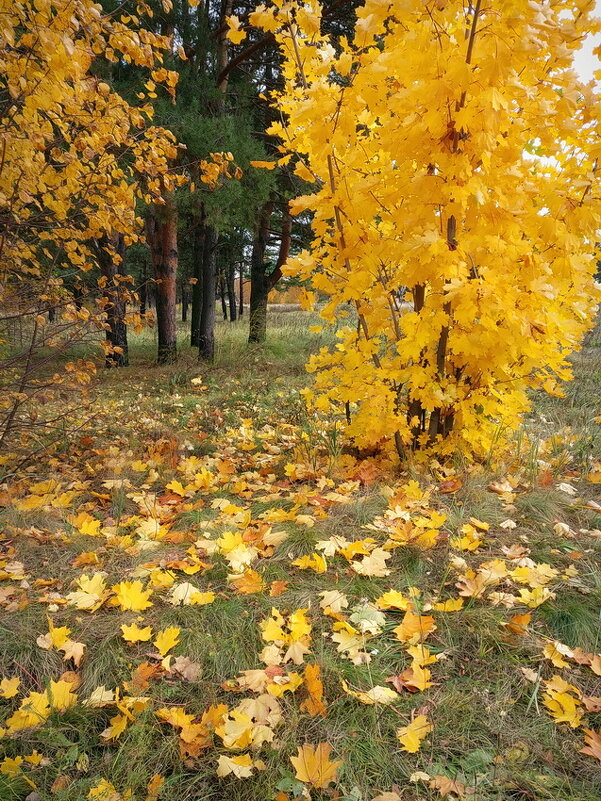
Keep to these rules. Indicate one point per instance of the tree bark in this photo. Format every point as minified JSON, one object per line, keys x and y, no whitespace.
{"x":199,"y":245}
{"x":259,"y":290}
{"x":206,"y":335}
{"x":161,"y":230}
{"x":143,"y":294}
{"x":231,"y":292}
{"x":261,"y":282}
{"x":184,"y":291}
{"x":241,"y":307}
{"x":222,"y":294}
{"x":111,"y":254}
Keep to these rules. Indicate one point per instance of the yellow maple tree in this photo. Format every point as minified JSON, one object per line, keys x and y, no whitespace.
{"x":453,"y":153}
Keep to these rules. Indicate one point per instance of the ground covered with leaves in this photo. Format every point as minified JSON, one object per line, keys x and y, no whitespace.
{"x":204,"y":596}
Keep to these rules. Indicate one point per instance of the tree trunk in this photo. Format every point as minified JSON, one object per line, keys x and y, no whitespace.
{"x":206,"y":338}
{"x":111,"y":254}
{"x":259,"y":289}
{"x":222,"y":294}
{"x":161,"y":229}
{"x":143,"y":294}
{"x":184,"y":302}
{"x":199,"y":245}
{"x":241,"y":307}
{"x":231,"y":292}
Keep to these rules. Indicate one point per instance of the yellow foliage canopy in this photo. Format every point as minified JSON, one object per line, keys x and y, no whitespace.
{"x":455,"y":208}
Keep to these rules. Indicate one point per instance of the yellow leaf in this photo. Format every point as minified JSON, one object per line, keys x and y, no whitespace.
{"x":61,"y":695}
{"x":414,"y":628}
{"x":555,"y":651}
{"x":241,"y":766}
{"x":314,"y":703}
{"x":313,"y":765}
{"x":166,"y":639}
{"x":9,"y":687}
{"x":314,"y":562}
{"x":134,"y":634}
{"x":131,"y":595}
{"x":411,"y":736}
{"x":376,"y":695}
{"x":265,"y":165}
{"x":235,"y":34}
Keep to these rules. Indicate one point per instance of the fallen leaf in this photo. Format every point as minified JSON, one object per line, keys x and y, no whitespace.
{"x":313,"y":765}
{"x":411,"y":736}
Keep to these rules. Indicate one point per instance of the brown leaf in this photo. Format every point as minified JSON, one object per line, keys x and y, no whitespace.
{"x":450,"y":485}
{"x":593,"y":743}
{"x":185,"y":668}
{"x":277,"y":588}
{"x":447,"y":787}
{"x":592,"y":703}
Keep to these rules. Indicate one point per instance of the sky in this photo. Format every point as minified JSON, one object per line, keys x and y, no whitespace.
{"x":585,"y":62}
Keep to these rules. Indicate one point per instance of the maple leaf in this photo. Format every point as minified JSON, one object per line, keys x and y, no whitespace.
{"x":592,"y":741}
{"x":563,"y":707}
{"x":374,"y":564}
{"x":314,"y":704}
{"x":9,"y":687}
{"x":61,"y":695}
{"x":91,"y":592}
{"x":334,"y":600}
{"x":313,"y":765}
{"x":235,"y":33}
{"x":277,"y":588}
{"x":104,"y":791}
{"x":100,"y":697}
{"x":133,"y":633}
{"x":185,"y":668}
{"x":130,"y":595}
{"x":167,"y":639}
{"x":376,"y":695}
{"x":73,"y":650}
{"x":154,"y":787}
{"x":414,"y":628}
{"x":555,"y":651}
{"x":117,"y":725}
{"x":447,"y":787}
{"x":314,"y":562}
{"x":249,"y":583}
{"x":411,"y":736}
{"x":240,"y":766}
{"x":186,"y":594}
{"x":518,"y":624}
{"x":592,"y":703}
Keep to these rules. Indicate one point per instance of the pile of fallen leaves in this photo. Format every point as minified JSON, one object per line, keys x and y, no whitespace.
{"x":194,"y":529}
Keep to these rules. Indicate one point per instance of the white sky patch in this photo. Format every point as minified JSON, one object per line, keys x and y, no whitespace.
{"x":584,"y":61}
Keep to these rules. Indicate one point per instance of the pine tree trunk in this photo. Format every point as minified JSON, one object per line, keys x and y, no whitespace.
{"x":162,"y":236}
{"x":143,"y":294}
{"x":259,"y":289}
{"x":206,"y":338}
{"x":199,"y":244}
{"x":115,"y":299}
{"x":241,"y":307}
{"x":222,"y":295}
{"x":231,"y":292}
{"x":184,"y":302}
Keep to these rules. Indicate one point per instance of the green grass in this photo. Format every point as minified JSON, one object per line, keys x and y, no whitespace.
{"x":491,"y":730}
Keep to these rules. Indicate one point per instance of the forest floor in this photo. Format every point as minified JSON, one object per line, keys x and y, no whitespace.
{"x":199,"y":587}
